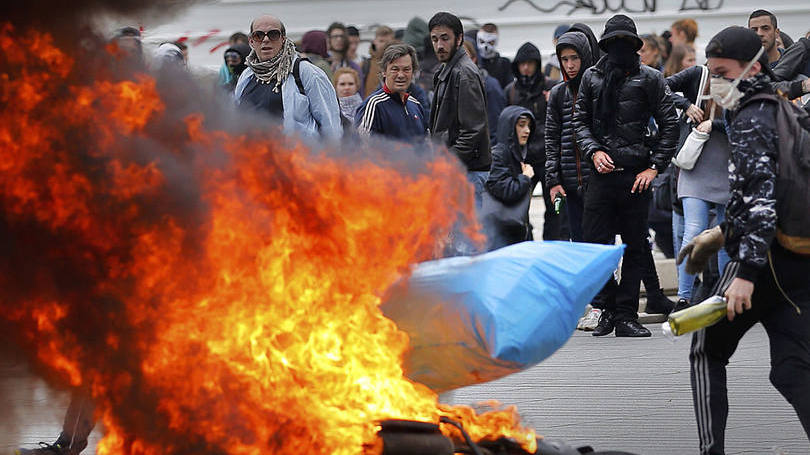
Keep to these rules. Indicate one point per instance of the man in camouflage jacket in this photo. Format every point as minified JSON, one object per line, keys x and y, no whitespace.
{"x":764,"y":282}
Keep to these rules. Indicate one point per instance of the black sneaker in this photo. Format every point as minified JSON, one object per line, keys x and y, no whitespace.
{"x":631,"y":329}
{"x":681,"y":305}
{"x":62,"y":446}
{"x":658,"y":303}
{"x":605,"y":326}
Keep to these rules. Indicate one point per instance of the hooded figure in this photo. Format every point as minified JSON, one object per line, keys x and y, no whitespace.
{"x":565,"y":165}
{"x":596,"y":52}
{"x":235,"y":63}
{"x":507,"y":182}
{"x":530,"y":91}
{"x":313,"y":47}
{"x":415,"y":34}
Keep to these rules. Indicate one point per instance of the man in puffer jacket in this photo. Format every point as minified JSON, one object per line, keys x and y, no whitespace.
{"x":567,"y":171}
{"x":617,"y":97}
{"x":530,"y":90}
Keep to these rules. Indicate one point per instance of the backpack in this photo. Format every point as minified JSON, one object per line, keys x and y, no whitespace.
{"x":793,"y":176}
{"x":296,"y":72}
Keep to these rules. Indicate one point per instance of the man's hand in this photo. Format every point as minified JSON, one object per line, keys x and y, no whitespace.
{"x":738,"y":296}
{"x":700,"y":249}
{"x":806,"y":85}
{"x":694,"y":113}
{"x":528,"y":170}
{"x":644,"y":180}
{"x":603,"y":162}
{"x":555,"y":190}
{"x":705,"y":127}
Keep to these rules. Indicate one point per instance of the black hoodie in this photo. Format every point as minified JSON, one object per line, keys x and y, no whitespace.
{"x":532,"y":97}
{"x":564,"y":164}
{"x":506,"y":181}
{"x":596,"y":51}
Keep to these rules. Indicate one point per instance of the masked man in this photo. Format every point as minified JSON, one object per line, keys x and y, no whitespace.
{"x":617,"y":97}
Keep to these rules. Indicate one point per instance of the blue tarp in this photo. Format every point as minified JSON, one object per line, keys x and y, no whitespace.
{"x":475,"y":319}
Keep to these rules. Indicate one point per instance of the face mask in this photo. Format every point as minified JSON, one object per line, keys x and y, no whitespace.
{"x":527,"y":80}
{"x":725,"y":92}
{"x":487,"y":44}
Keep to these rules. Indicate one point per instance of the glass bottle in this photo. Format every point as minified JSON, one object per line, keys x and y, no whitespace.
{"x":704,"y":314}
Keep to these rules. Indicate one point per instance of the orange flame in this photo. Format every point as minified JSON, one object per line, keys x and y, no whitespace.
{"x":251,"y":325}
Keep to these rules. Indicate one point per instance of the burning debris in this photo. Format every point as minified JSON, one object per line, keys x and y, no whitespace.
{"x":213,"y":288}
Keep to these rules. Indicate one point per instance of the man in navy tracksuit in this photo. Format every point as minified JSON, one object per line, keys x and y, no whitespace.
{"x":390,"y":111}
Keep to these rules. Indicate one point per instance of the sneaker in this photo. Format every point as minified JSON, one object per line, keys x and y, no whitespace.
{"x":62,"y":446}
{"x":590,"y":320}
{"x":681,"y":305}
{"x":605,"y":326}
{"x":658,"y":303}
{"x":631,"y":329}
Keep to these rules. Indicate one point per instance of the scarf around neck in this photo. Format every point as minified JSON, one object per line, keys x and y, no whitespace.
{"x":277,"y":68}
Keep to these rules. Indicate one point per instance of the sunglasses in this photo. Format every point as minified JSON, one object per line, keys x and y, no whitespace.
{"x":259,"y":35}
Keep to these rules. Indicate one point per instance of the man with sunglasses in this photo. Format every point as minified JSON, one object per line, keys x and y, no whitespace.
{"x":270,"y":84}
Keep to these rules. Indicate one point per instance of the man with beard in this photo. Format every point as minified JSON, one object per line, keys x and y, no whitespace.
{"x":338,"y":38}
{"x":764,"y":24}
{"x":305,"y":101}
{"x":458,"y":117}
{"x":617,"y":97}
{"x":530,"y":89}
{"x":489,"y":58}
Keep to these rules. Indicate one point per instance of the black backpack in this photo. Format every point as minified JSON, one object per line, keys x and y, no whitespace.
{"x":793,"y":176}
{"x":346,"y":123}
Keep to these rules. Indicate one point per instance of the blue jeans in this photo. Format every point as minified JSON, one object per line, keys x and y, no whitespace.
{"x":696,"y":219}
{"x":677,"y":232}
{"x":478,"y":179}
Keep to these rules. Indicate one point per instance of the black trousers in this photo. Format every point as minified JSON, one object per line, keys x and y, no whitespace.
{"x":555,"y":227}
{"x":610,"y":210}
{"x":789,"y":335}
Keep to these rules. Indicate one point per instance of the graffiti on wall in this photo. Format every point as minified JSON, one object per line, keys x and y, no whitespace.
{"x":597,"y":7}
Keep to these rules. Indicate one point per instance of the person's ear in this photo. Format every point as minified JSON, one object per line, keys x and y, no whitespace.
{"x":755,"y":69}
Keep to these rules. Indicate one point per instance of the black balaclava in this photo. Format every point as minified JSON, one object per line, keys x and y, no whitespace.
{"x":622,"y":59}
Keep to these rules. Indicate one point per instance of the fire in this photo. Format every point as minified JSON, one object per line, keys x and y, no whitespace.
{"x":216,"y":293}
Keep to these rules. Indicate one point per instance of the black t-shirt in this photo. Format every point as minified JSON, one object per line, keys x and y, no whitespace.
{"x":262,"y":97}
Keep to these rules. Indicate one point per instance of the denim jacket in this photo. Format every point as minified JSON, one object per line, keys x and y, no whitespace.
{"x":314,"y":115}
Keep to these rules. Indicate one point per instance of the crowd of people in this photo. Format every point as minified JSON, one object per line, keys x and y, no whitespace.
{"x":597,"y":128}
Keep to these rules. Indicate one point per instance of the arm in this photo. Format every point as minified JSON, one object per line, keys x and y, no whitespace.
{"x":789,"y":65}
{"x":583,"y":119}
{"x":553,"y":138}
{"x":471,"y":116}
{"x":367,"y":119}
{"x":754,"y":148}
{"x":684,"y":81}
{"x":667,"y":119}
{"x":323,"y":103}
{"x":501,"y":184}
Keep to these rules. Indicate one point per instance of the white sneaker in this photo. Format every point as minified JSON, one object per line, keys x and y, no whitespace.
{"x":590,"y":320}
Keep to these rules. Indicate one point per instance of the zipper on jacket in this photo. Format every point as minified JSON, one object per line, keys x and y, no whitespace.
{"x":576,"y":147}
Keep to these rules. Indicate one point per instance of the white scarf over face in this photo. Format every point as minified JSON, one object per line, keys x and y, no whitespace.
{"x":487,"y":44}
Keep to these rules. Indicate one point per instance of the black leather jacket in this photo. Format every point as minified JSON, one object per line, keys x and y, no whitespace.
{"x":643,"y":94}
{"x":458,"y":117}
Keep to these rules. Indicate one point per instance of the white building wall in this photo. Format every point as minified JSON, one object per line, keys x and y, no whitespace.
{"x":209,"y":24}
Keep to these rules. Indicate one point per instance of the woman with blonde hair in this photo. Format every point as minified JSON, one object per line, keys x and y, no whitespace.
{"x":347,"y":85}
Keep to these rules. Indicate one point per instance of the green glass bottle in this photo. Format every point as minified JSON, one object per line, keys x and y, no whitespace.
{"x":558,"y":203}
{"x":704,"y":314}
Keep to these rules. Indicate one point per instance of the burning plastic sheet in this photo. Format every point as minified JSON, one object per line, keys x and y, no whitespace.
{"x":476,"y":319}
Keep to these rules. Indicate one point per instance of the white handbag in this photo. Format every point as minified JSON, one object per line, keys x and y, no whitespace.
{"x":689,"y":153}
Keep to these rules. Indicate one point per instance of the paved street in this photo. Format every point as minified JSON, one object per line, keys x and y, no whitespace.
{"x":634,"y":395}
{"x":611,"y":393}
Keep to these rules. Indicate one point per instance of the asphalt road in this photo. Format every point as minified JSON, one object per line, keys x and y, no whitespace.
{"x":634,"y":395}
